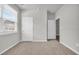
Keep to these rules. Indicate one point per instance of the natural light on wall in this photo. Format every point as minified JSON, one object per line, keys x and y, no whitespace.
{"x":8,"y":19}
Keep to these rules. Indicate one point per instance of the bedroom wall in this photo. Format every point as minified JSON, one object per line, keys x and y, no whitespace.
{"x":69,"y":26}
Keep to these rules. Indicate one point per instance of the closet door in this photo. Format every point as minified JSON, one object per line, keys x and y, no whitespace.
{"x":27,"y":29}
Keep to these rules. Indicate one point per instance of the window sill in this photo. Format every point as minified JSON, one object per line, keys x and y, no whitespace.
{"x":6,"y":33}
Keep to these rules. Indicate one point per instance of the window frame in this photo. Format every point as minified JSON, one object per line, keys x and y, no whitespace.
{"x":2,"y":8}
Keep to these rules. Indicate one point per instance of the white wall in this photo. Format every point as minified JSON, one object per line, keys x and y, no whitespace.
{"x":7,"y":41}
{"x":39,"y":23}
{"x":51,"y":29}
{"x":69,"y":26}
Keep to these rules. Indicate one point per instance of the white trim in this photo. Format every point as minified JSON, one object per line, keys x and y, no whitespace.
{"x":9,"y":47}
{"x":70,"y":48}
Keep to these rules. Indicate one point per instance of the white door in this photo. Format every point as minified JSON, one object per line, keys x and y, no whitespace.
{"x":51,"y":29}
{"x":27,"y":29}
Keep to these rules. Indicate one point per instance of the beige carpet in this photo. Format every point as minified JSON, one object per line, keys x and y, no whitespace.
{"x":39,"y":48}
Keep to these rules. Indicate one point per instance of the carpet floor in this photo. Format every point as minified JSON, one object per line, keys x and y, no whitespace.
{"x":52,"y":47}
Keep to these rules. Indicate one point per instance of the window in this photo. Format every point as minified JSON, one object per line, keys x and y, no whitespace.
{"x":8,"y":19}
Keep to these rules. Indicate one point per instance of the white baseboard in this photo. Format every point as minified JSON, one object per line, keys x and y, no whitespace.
{"x":9,"y":47}
{"x":70,"y":48}
{"x":39,"y":41}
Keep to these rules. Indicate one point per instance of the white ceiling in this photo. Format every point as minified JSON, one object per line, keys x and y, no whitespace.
{"x":50,"y":7}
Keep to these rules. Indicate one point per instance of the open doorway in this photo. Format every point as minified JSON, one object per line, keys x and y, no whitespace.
{"x":58,"y":29}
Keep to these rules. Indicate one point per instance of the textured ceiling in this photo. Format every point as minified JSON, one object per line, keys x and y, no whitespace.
{"x":50,"y":7}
